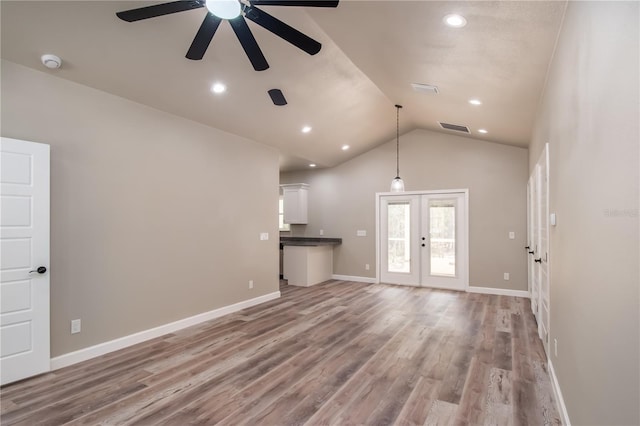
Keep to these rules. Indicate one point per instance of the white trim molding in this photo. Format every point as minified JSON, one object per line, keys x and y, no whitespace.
{"x":499,"y":291}
{"x":558,"y":394}
{"x":354,"y":278}
{"x":142,"y":336}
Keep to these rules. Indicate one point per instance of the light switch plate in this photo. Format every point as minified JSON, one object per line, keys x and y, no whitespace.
{"x":361,"y":233}
{"x":264,"y":236}
{"x":512,"y":235}
{"x":552,"y":219}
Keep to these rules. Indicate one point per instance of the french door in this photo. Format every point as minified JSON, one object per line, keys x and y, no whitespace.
{"x":423,"y":239}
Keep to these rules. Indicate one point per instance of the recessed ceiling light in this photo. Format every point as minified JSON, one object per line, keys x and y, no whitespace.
{"x":482,"y":131}
{"x":312,"y":165}
{"x":306,"y":129}
{"x":455,"y":21}
{"x":475,"y":101}
{"x":345,"y":147}
{"x":218,"y":88}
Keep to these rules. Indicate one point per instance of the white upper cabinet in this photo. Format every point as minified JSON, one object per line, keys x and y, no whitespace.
{"x":295,"y":203}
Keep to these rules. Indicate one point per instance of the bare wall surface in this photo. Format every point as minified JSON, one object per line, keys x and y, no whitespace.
{"x":589,"y":116}
{"x":154,"y":218}
{"x":342,"y":201}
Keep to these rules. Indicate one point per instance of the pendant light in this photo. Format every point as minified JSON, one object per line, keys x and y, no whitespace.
{"x":397,"y":184}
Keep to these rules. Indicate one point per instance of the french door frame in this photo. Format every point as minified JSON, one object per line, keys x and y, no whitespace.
{"x":403,"y":196}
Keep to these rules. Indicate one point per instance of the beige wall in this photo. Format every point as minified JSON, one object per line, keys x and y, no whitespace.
{"x":342,"y":201}
{"x":589,"y":115}
{"x":154,"y":218}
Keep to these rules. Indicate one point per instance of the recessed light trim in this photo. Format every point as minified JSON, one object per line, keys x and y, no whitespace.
{"x":218,"y":88}
{"x":454,"y":20}
{"x":306,"y":129}
{"x":345,"y":147}
{"x":483,"y":131}
{"x":475,"y":101}
{"x":312,"y":165}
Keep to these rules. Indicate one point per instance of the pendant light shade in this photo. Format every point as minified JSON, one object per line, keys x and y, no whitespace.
{"x":397,"y":184}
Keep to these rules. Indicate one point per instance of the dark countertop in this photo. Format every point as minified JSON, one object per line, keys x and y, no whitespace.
{"x":309,"y":241}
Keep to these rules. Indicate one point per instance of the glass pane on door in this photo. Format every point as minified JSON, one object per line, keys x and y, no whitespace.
{"x":442,"y":228}
{"x":399,"y":237}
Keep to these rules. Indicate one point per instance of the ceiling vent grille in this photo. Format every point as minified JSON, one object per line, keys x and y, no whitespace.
{"x":425,"y":88}
{"x":455,"y":127}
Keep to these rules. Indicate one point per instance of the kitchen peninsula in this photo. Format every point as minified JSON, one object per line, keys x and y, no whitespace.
{"x":307,"y":260}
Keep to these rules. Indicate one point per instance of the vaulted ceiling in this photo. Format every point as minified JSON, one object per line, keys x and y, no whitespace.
{"x":371,"y":53}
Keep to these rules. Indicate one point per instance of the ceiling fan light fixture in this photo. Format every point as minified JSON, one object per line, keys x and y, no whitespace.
{"x":224,"y":9}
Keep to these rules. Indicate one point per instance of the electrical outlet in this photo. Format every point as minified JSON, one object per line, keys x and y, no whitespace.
{"x":76,"y":326}
{"x":555,"y":347}
{"x":506,"y":276}
{"x":322,"y":232}
{"x":250,"y":284}
{"x":366,"y":266}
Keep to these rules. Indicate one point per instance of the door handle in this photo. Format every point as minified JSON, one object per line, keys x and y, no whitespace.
{"x":538,"y":260}
{"x":423,"y":245}
{"x":423,"y":238}
{"x":40,"y":270}
{"x":531,"y":252}
{"x":527,"y":247}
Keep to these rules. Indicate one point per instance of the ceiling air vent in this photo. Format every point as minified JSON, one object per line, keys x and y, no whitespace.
{"x":425,"y":88}
{"x":454,"y":127}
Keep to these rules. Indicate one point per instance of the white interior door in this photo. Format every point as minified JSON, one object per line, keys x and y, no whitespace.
{"x":24,"y":245}
{"x":423,"y":239}
{"x":542,"y":254}
{"x":532,"y":244}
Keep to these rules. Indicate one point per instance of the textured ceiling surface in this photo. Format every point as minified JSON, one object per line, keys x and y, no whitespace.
{"x":371,"y":52}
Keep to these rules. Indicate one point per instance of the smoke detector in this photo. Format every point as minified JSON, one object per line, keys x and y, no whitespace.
{"x":51,"y":61}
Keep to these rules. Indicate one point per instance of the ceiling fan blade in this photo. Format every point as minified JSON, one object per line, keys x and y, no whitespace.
{"x":283,"y":30}
{"x":158,"y":10}
{"x":249,"y":43}
{"x":203,"y":37}
{"x":307,"y":3}
{"x":277,"y":97}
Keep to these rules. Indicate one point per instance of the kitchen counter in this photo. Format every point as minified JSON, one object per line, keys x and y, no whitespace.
{"x":309,"y":241}
{"x":308,"y":261}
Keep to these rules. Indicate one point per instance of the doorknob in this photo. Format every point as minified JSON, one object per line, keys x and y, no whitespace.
{"x":40,"y":270}
{"x":538,"y":260}
{"x":423,"y":245}
{"x":423,"y":238}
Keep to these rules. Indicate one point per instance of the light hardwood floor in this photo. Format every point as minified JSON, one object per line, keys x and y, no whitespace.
{"x":338,"y":353}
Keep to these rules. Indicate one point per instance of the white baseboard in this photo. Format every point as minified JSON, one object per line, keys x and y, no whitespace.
{"x":132,"y":339}
{"x":499,"y":291}
{"x":562,"y":409}
{"x":354,"y":278}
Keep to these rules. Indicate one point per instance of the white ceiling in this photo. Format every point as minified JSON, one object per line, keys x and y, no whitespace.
{"x":371,"y":52}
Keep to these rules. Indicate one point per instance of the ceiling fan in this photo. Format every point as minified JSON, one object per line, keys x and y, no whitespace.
{"x":235,"y":11}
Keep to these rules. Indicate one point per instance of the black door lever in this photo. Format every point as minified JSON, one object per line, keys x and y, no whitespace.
{"x":538,"y":260}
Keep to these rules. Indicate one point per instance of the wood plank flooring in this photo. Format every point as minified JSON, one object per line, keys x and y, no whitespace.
{"x":338,"y":353}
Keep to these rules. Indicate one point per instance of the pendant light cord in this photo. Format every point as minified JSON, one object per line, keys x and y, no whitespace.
{"x":398,"y":140}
